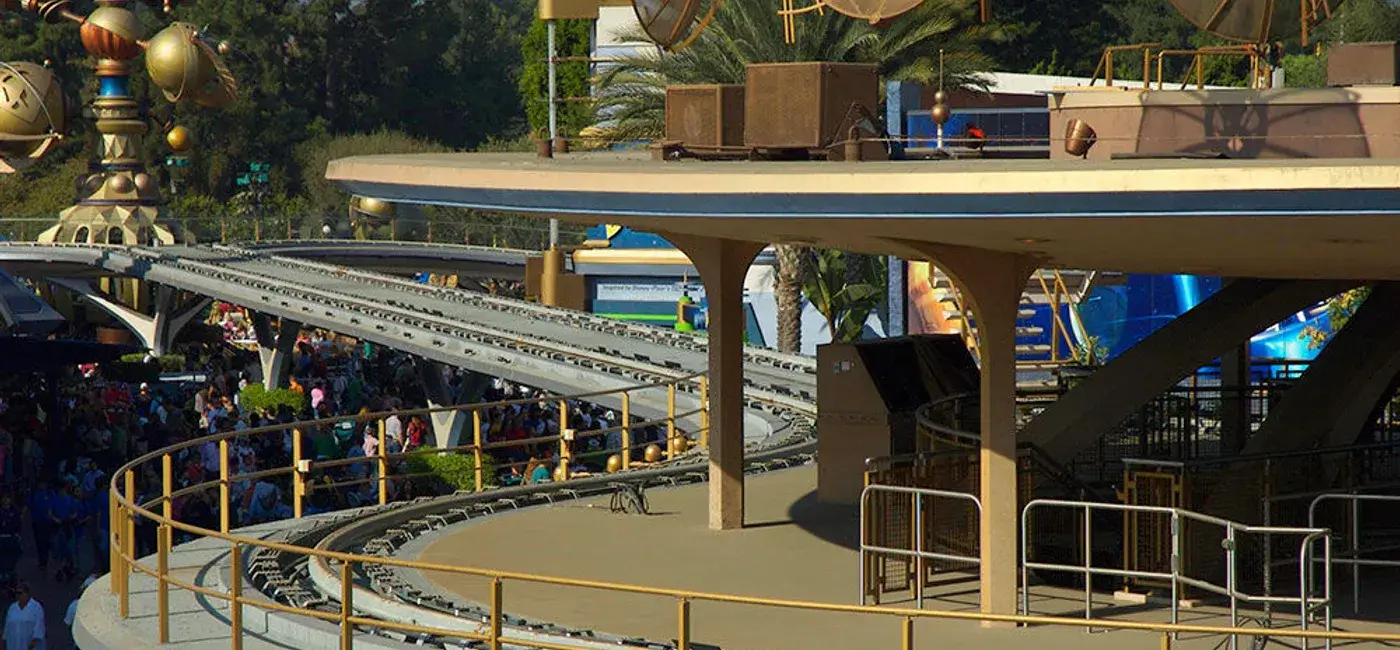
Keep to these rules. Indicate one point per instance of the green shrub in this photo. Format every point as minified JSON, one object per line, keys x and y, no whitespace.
{"x":167,"y":363}
{"x":254,"y":397}
{"x":131,"y":373}
{"x":455,"y":470}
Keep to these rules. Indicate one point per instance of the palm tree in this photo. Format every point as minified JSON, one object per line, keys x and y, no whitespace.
{"x":632,"y":94}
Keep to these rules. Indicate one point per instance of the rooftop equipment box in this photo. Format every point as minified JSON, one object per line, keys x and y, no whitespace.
{"x":1363,"y":64}
{"x":806,"y":105}
{"x":705,"y":117}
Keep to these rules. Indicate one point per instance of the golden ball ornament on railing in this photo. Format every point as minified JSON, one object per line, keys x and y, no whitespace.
{"x":561,"y":473}
{"x":614,"y":463}
{"x":681,"y":444}
{"x":652,"y":454}
{"x":180,"y":139}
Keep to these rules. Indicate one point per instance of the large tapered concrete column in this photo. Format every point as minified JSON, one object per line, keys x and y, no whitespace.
{"x":993,"y":283}
{"x":722,"y":264}
{"x":158,"y":331}
{"x":275,"y":349}
{"x":448,"y":426}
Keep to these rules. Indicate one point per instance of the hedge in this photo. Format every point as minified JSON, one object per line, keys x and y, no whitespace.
{"x":456,"y":471}
{"x":254,"y":397}
{"x":167,"y":363}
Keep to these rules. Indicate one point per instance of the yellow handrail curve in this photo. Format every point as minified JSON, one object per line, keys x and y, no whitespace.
{"x":126,"y":509}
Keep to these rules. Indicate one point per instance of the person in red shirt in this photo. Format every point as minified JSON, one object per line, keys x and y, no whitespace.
{"x":974,"y":136}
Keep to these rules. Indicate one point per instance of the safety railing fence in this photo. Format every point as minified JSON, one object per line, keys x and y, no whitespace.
{"x":128,"y":509}
{"x":1308,"y":602}
{"x":1369,"y":532}
{"x":925,"y":548}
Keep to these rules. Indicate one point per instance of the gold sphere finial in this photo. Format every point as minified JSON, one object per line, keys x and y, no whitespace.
{"x":614,"y":463}
{"x":179,"y":139}
{"x":652,"y":453}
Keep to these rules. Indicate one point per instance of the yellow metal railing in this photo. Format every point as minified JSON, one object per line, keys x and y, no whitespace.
{"x":1198,"y":62}
{"x":1105,"y":66}
{"x":125,"y":510}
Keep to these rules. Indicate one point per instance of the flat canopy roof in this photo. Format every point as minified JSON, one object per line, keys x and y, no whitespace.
{"x":1263,"y":218}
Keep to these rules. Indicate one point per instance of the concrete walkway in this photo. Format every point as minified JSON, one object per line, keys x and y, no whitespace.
{"x":793,"y":548}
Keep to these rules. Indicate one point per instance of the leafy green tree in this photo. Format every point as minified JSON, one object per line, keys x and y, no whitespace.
{"x":1340,"y":309}
{"x":1362,"y":21}
{"x":845,"y":288}
{"x":571,"y":39}
{"x":1305,"y":71}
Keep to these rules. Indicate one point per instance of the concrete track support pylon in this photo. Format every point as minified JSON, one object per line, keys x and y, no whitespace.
{"x":275,"y":349}
{"x":156,"y":332}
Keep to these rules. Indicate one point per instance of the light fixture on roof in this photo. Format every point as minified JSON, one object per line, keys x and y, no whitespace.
{"x":1032,"y":240}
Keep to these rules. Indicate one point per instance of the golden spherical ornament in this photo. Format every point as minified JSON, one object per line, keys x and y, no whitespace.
{"x":372,"y":207}
{"x":143,"y":182}
{"x":112,"y":33}
{"x":614,"y":463}
{"x":940,"y":114}
{"x":31,"y":105}
{"x":121,"y":184}
{"x":940,"y":97}
{"x":94,"y":182}
{"x":178,"y":65}
{"x":652,"y":454}
{"x":561,"y":473}
{"x":180,"y":139}
{"x":681,"y":444}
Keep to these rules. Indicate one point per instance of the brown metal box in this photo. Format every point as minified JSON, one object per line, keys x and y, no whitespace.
{"x":805,"y":105}
{"x":1363,"y":64}
{"x":704,"y":117}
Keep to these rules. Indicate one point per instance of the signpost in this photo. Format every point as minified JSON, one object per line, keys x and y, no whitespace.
{"x":256,"y":180}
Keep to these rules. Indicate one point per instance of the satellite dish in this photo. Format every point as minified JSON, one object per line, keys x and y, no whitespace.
{"x":872,"y":10}
{"x":1256,"y":21}
{"x":671,"y":24}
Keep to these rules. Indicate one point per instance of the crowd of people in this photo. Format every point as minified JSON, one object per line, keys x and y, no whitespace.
{"x":61,"y":438}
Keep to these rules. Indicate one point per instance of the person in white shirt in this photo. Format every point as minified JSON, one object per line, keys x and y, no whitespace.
{"x":24,"y":622}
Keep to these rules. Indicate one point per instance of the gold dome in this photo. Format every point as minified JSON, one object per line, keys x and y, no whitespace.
{"x":176,"y":63}
{"x":179,"y":139}
{"x":32,"y":105}
{"x":373,"y":208}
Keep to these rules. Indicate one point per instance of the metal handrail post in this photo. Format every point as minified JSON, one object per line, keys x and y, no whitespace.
{"x":670,"y":421}
{"x":298,"y":480}
{"x":1355,"y":555}
{"x":705,"y":411}
{"x":347,"y":605}
{"x":113,"y":556}
{"x":918,"y":535}
{"x":626,"y":453}
{"x":235,"y":600}
{"x":564,"y":452}
{"x":683,"y":624}
{"x":1230,"y":584}
{"x":162,"y":586}
{"x":1088,"y":565}
{"x":383,"y":466}
{"x":495,"y":640}
{"x":1176,"y":569}
{"x":223,"y":486}
{"x":476,"y":450}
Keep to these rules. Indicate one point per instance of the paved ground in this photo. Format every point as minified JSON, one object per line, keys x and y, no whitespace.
{"x":793,"y":549}
{"x":53,"y":594}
